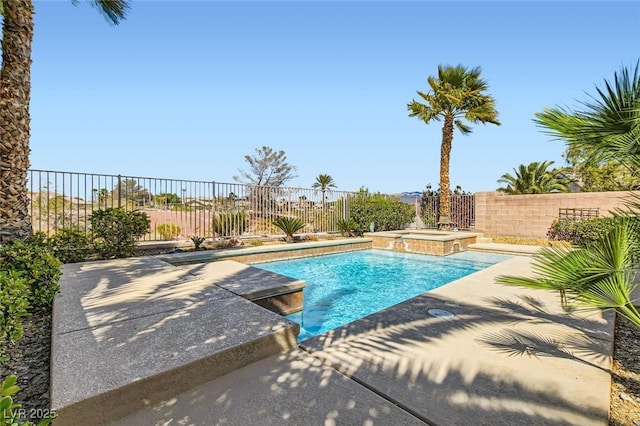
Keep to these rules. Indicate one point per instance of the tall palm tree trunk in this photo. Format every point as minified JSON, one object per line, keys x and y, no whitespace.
{"x":15,"y":95}
{"x":444,"y":222}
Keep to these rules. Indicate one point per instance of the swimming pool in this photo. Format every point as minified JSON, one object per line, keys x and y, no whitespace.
{"x":344,"y":287}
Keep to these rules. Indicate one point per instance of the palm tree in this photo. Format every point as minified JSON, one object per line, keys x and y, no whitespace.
{"x":608,"y":128}
{"x":15,"y":95}
{"x":536,"y":178}
{"x":601,"y":275}
{"x":323,"y":182}
{"x":456,"y":93}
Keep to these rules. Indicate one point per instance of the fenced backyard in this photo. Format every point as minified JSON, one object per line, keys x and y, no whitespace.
{"x":179,"y":209}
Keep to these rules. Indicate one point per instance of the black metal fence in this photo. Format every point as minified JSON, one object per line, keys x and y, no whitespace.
{"x":462,"y":211}
{"x":180,"y":208}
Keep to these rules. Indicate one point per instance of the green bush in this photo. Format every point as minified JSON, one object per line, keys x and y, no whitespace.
{"x":71,"y":245}
{"x":37,"y":265}
{"x":226,"y":224}
{"x":168,"y":231}
{"x":387,"y":215}
{"x":589,"y":231}
{"x":116,"y":231}
{"x":13,"y":306}
{"x":562,"y":229}
{"x":349,"y":228}
{"x":9,"y":409}
{"x":581,"y":232}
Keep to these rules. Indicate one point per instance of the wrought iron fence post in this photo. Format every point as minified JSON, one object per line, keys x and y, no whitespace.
{"x":213,"y":209}
{"x":119,"y":191}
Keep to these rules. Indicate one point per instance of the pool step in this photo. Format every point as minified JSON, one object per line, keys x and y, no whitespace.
{"x":278,"y":293}
{"x":127,"y":333}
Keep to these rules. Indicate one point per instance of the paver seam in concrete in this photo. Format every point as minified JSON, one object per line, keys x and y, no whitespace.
{"x":372,"y":389}
{"x":139,"y":317}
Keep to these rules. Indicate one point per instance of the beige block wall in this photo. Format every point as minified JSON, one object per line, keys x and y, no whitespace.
{"x":530,"y":216}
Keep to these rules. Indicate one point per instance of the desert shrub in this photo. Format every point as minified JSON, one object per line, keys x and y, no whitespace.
{"x":387,"y":215}
{"x":116,"y":231}
{"x":264,"y":227}
{"x":71,"y":245}
{"x":289,"y":225}
{"x":349,"y":228}
{"x":230,"y":242}
{"x":226,"y":224}
{"x":581,"y":232}
{"x":197,"y":241}
{"x":168,"y":231}
{"x":13,"y":306}
{"x":37,"y":266}
{"x":255,"y":243}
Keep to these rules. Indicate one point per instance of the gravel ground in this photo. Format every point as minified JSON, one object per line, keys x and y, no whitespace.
{"x":30,"y":361}
{"x":625,"y":380}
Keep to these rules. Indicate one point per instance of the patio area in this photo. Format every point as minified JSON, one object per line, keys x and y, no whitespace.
{"x":505,"y":355}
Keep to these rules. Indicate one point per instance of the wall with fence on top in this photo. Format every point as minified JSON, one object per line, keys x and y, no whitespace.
{"x":531,"y":215}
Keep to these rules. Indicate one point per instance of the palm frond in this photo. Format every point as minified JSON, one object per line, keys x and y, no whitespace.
{"x":464,"y":129}
{"x":113,"y":11}
{"x":599,"y":276}
{"x":607,"y":127}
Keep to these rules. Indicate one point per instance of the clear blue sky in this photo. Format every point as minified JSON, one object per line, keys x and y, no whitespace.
{"x":186,"y":89}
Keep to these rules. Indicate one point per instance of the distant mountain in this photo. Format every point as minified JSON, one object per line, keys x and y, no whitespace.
{"x":410,"y":197}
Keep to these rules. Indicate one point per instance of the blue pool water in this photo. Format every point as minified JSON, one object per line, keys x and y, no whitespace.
{"x":344,"y":287}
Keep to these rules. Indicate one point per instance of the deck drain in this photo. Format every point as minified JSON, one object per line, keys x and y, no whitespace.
{"x":440,"y":313}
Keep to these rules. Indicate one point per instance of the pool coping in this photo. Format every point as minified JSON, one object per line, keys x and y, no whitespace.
{"x":260,"y":253}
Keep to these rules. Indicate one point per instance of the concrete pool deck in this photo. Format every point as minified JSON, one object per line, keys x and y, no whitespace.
{"x":507,"y":356}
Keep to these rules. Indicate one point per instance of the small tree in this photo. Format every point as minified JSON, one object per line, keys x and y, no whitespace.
{"x":131,"y":190}
{"x":267,"y":168}
{"x":609,"y":175}
{"x":166,"y":198}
